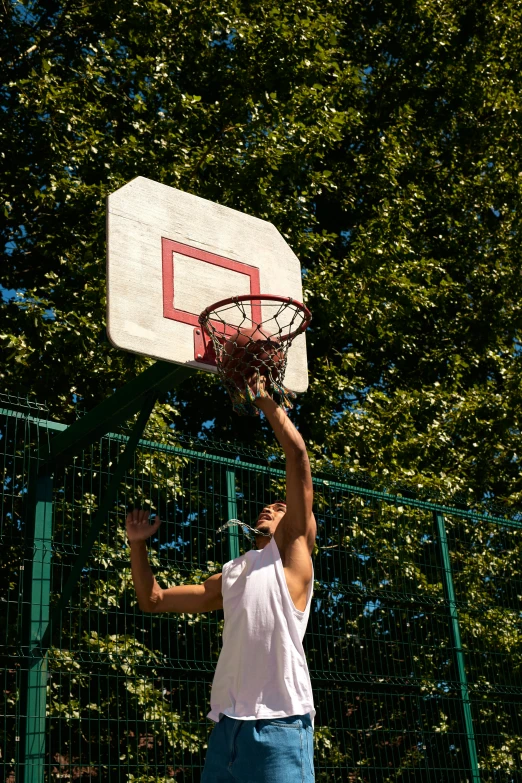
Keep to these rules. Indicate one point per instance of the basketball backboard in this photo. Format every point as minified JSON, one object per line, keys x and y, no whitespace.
{"x":171,"y":254}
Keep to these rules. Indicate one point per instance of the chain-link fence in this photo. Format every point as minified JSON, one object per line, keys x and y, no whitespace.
{"x":414,"y":641}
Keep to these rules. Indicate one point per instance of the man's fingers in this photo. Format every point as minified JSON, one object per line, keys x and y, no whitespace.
{"x":135,"y":516}
{"x":139,"y":516}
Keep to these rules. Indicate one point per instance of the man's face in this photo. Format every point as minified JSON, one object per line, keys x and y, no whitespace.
{"x":268,"y":521}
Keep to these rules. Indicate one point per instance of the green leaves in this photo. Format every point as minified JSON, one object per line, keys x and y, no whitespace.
{"x":383,"y":142}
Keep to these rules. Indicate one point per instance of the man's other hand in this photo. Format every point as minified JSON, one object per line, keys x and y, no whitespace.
{"x":139,"y":527}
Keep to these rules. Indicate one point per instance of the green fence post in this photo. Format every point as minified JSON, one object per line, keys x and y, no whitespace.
{"x":449,"y":592}
{"x":37,"y":588}
{"x":233,"y":532}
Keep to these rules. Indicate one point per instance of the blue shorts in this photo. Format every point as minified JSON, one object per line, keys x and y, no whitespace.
{"x":273,"y":750}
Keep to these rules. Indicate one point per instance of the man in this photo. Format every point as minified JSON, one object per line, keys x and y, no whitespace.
{"x":261,"y":696}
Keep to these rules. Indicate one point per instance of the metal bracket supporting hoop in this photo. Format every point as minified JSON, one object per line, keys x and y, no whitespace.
{"x":203,"y":348}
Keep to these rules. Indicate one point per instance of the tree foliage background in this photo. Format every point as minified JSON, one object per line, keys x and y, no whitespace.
{"x":383,"y":139}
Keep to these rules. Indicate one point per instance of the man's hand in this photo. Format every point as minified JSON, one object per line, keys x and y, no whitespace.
{"x":257,"y":382}
{"x":139,"y":527}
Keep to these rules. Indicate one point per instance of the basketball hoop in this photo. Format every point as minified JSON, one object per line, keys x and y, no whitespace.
{"x":251,"y":335}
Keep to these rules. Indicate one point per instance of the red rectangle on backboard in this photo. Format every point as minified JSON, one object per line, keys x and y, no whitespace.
{"x":169,"y":247}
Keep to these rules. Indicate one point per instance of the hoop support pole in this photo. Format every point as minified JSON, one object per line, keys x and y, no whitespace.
{"x":116,"y":409}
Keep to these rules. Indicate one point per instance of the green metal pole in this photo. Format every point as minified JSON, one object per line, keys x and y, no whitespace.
{"x":124,"y":403}
{"x":449,"y":592}
{"x":33,"y":690}
{"x":233,"y":532}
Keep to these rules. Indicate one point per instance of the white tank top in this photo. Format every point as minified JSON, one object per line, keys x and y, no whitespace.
{"x":262,"y":670}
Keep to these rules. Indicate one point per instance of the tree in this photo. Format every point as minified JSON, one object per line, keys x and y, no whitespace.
{"x":383,"y":142}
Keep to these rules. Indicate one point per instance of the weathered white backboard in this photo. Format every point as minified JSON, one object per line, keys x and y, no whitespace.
{"x":170,"y":254}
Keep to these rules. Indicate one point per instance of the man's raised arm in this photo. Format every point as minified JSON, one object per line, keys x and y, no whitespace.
{"x":299,"y":518}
